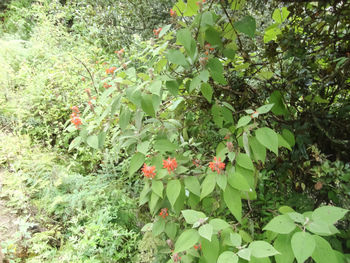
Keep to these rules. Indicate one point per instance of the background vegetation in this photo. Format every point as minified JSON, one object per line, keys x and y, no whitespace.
{"x":269,"y":95}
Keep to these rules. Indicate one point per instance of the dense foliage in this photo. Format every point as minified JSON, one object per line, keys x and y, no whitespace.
{"x":227,"y":126}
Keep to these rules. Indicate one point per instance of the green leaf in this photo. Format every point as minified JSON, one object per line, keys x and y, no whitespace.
{"x":265,"y":108}
{"x":75,"y":143}
{"x":164,"y":30}
{"x":192,"y":184}
{"x":277,"y":99}
{"x":153,"y":202}
{"x":170,"y":230}
{"x":282,"y":244}
{"x":208,"y":185}
{"x":124,"y":118}
{"x":323,"y":252}
{"x":173,"y":87}
{"x":271,"y":33}
{"x":206,"y":231}
{"x":233,"y":201}
{"x":259,"y":151}
{"x":229,"y":53}
{"x":247,"y":26}
{"x":157,"y":188}
{"x":144,"y":197}
{"x":184,"y":37}
{"x":303,"y":246}
{"x":147,"y":105}
{"x":268,"y":138}
{"x":192,"y":8}
{"x":265,"y":75}
{"x":147,"y":227}
{"x":136,"y":162}
{"x":192,"y":216}
{"x":296,"y":217}
{"x":244,"y":253}
{"x":227,"y":257}
{"x":173,"y":190}
{"x":243,"y":121}
{"x":164,"y":145}
{"x":289,"y":137}
{"x":158,"y":227}
{"x":218,"y":224}
{"x":92,"y":141}
{"x":207,"y":91}
{"x":186,"y":240}
{"x":207,"y":19}
{"x":236,"y":239}
{"x":176,"y":57}
{"x":282,"y":142}
{"x":280,"y":15}
{"x":221,"y":180}
{"x":329,"y":214}
{"x":204,"y":75}
{"x":210,"y":249}
{"x":143,"y":147}
{"x":216,"y":70}
{"x":281,"y":224}
{"x":244,"y":161}
{"x":155,"y":87}
{"x":195,"y":82}
{"x":213,"y":37}
{"x":238,"y":181}
{"x":262,"y":249}
{"x":285,"y":209}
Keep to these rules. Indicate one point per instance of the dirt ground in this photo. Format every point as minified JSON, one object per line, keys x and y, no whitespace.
{"x":7,"y":225}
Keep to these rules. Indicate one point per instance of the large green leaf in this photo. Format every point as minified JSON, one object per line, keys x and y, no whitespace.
{"x":192,"y":184}
{"x":323,"y":252}
{"x":247,"y":26}
{"x":136,"y":162}
{"x":158,"y":227}
{"x":192,"y":216}
{"x":206,"y":231}
{"x":173,"y":87}
{"x":268,"y":138}
{"x":279,"y":15}
{"x":238,"y":181}
{"x":303,"y":246}
{"x":216,"y":70}
{"x":244,"y":161}
{"x":147,"y":104}
{"x":92,"y":141}
{"x":208,"y":185}
{"x":262,"y":249}
{"x":213,"y":37}
{"x":184,"y":37}
{"x":329,"y":214}
{"x":281,"y":224}
{"x":282,"y":244}
{"x":227,"y":257}
{"x":164,"y":145}
{"x":233,"y":201}
{"x":243,"y":121}
{"x":124,"y":118}
{"x":258,"y":150}
{"x":173,"y":190}
{"x":210,"y":249}
{"x":207,"y":91}
{"x":218,"y":224}
{"x":157,"y":188}
{"x":186,"y":240}
{"x":176,"y":57}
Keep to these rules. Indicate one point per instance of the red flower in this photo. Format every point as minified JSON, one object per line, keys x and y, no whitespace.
{"x":164,"y":212}
{"x":106,"y":85}
{"x":176,"y":257}
{"x":157,"y":31}
{"x":199,"y":246}
{"x":149,"y":171}
{"x":110,"y":70}
{"x":75,"y":109}
{"x":170,"y":164}
{"x":217,"y":165}
{"x":172,"y":13}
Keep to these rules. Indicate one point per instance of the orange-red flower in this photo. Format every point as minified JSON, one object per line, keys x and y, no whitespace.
{"x":157,"y":31}
{"x":75,"y":117}
{"x":217,"y":165}
{"x":164,"y":212}
{"x":119,"y":52}
{"x":110,"y":70}
{"x":149,"y":171}
{"x":106,"y":85}
{"x":170,"y":164}
{"x":172,"y":13}
{"x":199,"y":246}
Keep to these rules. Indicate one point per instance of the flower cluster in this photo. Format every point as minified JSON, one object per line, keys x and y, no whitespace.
{"x":208,"y":48}
{"x":164,"y":212}
{"x":106,"y":85}
{"x":119,"y":52}
{"x":157,"y":31}
{"x":110,"y":70}
{"x":217,"y":165}
{"x":170,"y":164}
{"x":149,"y":171}
{"x":198,"y":247}
{"x":75,"y":117}
{"x":172,"y":13}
